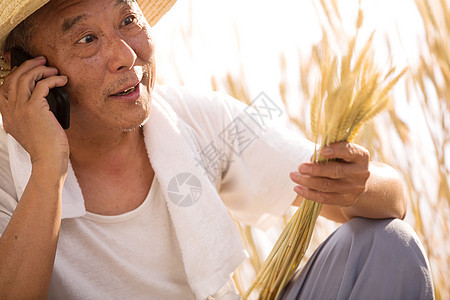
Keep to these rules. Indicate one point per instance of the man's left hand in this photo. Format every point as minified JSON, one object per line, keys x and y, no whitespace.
{"x":339,"y":182}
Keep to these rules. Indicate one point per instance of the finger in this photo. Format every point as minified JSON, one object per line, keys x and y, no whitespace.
{"x":18,"y":71}
{"x":45,"y":85}
{"x":2,"y":105}
{"x":28,"y":81}
{"x":327,"y":185}
{"x":335,"y":169}
{"x":343,"y":200}
{"x":348,"y":152}
{"x":28,"y":65}
{"x":5,"y":86}
{"x":3,"y":97}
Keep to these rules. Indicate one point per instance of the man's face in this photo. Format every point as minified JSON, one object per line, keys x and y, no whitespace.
{"x":105,"y":49}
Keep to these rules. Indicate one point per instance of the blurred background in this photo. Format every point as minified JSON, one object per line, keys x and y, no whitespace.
{"x":251,"y":46}
{"x":245,"y":47}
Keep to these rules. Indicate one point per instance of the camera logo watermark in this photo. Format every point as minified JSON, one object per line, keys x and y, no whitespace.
{"x":184,"y":189}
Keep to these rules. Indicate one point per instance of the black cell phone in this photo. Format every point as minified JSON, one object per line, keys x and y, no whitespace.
{"x":57,"y":98}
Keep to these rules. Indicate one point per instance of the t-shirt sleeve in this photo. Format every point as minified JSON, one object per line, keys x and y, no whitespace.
{"x":256,"y":186}
{"x":246,"y":155}
{"x":8,"y":198}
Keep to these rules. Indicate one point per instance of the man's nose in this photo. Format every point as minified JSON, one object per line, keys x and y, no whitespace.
{"x":121,"y":56}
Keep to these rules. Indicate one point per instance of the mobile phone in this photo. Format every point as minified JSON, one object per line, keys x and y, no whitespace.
{"x":57,"y":98}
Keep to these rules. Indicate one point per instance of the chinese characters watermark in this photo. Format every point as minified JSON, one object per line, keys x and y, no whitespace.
{"x":238,"y":135}
{"x":265,"y":109}
{"x":212,"y":159}
{"x":185,"y":189}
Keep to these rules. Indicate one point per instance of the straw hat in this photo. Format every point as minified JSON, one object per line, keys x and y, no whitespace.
{"x":13,"y":12}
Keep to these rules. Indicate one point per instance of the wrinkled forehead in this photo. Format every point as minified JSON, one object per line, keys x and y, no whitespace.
{"x":55,"y":7}
{"x":65,"y":13}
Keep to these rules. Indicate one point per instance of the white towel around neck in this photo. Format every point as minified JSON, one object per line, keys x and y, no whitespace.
{"x":209,"y":242}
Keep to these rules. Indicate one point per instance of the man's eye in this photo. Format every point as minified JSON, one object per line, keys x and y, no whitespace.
{"x":86,"y":40}
{"x":128,"y":20}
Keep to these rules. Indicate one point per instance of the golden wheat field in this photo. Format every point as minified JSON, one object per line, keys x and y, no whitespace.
{"x":248,"y":47}
{"x":285,"y":50}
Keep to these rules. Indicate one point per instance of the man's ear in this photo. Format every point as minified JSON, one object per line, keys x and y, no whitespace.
{"x":7,"y":57}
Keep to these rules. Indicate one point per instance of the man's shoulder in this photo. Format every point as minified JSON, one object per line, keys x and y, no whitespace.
{"x":184,"y":100}
{"x":179,"y":92}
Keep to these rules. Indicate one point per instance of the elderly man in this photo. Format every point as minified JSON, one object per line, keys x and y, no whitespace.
{"x":123,"y":205}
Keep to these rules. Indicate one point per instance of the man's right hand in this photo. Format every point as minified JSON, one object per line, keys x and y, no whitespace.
{"x":26,"y":114}
{"x":28,"y":243}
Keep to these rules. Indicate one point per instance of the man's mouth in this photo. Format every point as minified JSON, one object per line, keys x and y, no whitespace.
{"x":126,"y":92}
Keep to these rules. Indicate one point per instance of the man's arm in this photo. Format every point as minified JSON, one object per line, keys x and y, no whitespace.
{"x":383,"y":198}
{"x":351,"y":186}
{"x":28,"y":244}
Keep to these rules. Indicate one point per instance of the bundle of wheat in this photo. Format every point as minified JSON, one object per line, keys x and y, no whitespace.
{"x":351,"y":92}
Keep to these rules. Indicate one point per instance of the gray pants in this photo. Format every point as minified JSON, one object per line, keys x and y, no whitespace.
{"x":366,"y":259}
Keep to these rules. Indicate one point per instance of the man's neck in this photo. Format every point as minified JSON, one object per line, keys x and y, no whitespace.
{"x":114,"y":171}
{"x":113,"y":149}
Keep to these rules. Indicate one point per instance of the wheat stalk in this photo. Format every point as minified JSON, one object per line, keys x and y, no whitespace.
{"x":350,"y":92}
{"x":432,"y":82}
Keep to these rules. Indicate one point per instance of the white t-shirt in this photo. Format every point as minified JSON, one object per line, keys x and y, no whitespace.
{"x":136,"y":255}
{"x":127,"y":256}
